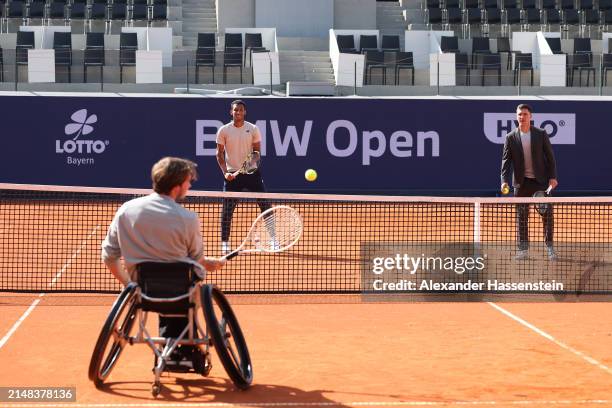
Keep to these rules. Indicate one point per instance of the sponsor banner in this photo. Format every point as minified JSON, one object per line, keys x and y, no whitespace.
{"x":355,"y":145}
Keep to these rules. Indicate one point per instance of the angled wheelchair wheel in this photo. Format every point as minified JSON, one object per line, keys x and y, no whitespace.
{"x":113,"y":337}
{"x":226,"y":336}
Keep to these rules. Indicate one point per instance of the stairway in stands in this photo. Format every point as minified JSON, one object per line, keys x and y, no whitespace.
{"x":199,"y":16}
{"x":390,"y":19}
{"x":305,"y":66}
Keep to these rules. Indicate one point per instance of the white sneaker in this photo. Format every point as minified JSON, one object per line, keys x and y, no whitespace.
{"x":225,"y":248}
{"x":552,"y":255}
{"x":521,"y":255}
{"x":274,"y":245}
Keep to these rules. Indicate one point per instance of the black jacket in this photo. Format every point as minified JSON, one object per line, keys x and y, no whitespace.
{"x":544,"y":166}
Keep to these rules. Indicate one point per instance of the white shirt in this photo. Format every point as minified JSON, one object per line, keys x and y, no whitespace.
{"x":154,"y":228}
{"x":526,"y":142}
{"x":238,"y":142}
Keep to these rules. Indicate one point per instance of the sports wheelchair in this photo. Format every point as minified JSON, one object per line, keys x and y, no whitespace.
{"x":172,"y":290}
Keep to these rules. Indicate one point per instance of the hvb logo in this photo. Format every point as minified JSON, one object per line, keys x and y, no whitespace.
{"x":82,"y":125}
{"x":561,"y":127}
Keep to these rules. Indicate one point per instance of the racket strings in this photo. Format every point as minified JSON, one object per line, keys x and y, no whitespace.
{"x":277,"y":230}
{"x":252,"y":162}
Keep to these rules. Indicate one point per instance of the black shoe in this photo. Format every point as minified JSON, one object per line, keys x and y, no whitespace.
{"x":201,"y":361}
{"x":180,"y":360}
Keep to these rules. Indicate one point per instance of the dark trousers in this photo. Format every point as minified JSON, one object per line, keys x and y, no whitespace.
{"x":527,"y":189}
{"x":243,"y":182}
{"x":172,"y":326}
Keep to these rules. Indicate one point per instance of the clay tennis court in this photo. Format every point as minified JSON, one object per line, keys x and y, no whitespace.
{"x":343,"y":354}
{"x":307,"y":350}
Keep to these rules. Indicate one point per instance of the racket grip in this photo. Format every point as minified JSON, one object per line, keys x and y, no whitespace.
{"x":232,"y":255}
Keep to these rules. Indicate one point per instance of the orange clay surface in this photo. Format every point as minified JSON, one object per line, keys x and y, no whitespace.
{"x":342,"y":354}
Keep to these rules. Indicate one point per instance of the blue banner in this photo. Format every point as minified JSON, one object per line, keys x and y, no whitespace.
{"x":355,"y":145}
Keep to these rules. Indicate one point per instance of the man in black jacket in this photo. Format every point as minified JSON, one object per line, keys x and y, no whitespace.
{"x":528,"y":152}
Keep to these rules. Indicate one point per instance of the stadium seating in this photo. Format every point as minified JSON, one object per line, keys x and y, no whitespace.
{"x":128,"y":44}
{"x":252,"y":43}
{"x":375,"y":59}
{"x":403,"y":60}
{"x":232,"y":54}
{"x":93,"y":54}
{"x":62,"y":44}
{"x":482,"y":35}
{"x":522,"y":62}
{"x":205,"y":54}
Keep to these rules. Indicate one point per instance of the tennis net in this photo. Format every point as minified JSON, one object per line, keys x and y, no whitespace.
{"x":50,"y":239}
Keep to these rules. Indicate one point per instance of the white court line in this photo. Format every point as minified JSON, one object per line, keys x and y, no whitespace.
{"x":547,"y":336}
{"x":18,"y":322}
{"x":320,"y":404}
{"x":35,"y":303}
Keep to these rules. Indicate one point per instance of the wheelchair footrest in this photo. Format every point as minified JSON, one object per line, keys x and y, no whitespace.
{"x":188,"y":360}
{"x":183,"y":366}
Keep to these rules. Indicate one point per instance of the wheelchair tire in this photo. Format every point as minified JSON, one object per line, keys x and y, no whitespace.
{"x":226,"y":336}
{"x":118,"y":324}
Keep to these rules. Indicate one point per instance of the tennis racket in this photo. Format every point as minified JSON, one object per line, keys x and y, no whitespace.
{"x":542,"y":208}
{"x":274,"y":230}
{"x":250,"y":165}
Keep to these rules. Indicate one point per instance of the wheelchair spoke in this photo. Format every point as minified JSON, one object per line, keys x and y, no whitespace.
{"x":233,"y":353}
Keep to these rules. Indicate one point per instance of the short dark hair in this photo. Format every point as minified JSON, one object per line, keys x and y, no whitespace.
{"x":238,"y":102}
{"x":170,"y":172}
{"x":524,"y":106}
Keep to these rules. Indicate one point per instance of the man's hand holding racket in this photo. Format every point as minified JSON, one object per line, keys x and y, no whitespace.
{"x":249,"y":166}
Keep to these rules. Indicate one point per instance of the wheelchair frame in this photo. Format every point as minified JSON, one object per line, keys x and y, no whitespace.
{"x":222,"y":333}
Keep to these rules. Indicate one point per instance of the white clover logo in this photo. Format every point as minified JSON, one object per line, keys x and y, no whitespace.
{"x":81,"y":124}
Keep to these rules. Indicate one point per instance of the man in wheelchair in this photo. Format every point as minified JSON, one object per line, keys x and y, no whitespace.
{"x":163,"y":251}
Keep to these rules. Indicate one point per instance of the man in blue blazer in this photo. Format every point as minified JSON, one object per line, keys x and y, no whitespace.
{"x":528,"y":152}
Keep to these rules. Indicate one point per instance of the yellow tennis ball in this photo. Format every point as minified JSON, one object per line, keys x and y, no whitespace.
{"x":311,"y":175}
{"x":506,"y":190}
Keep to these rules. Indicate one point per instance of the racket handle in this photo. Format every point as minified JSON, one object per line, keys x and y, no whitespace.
{"x":548,"y":190}
{"x":232,"y":255}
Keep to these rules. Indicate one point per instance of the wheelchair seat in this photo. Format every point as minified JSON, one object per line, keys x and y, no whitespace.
{"x":166,"y":288}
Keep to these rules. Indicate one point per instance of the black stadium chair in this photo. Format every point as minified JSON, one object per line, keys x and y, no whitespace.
{"x":368,"y":43}
{"x":581,"y":62}
{"x":36,"y":10}
{"x":346,"y":44}
{"x":93,"y":53}
{"x":62,"y":44}
{"x":57,"y":11}
{"x":252,"y":43}
{"x":606,"y":65}
{"x":128,"y":44}
{"x":25,"y":42}
{"x":491,"y":62}
{"x":375,"y":60}
{"x":390,"y":43}
{"x":461,"y":63}
{"x":403,"y":61}
{"x":522,"y":62}
{"x":1,"y":66}
{"x":480,"y":45}
{"x":449,"y":44}
{"x":205,"y":54}
{"x":159,"y":12}
{"x":232,"y":54}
